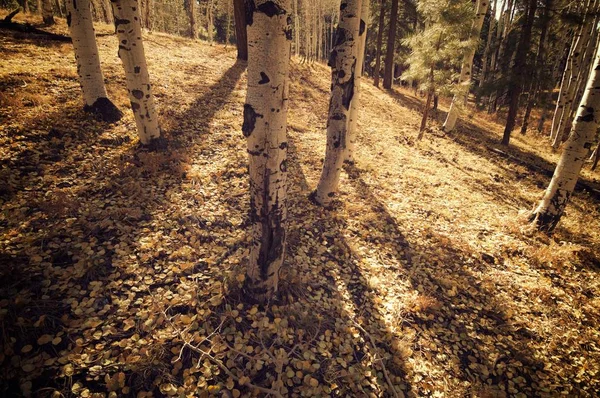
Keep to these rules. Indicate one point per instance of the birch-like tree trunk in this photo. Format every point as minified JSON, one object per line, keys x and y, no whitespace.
{"x":81,"y":28}
{"x":47,"y":12}
{"x":388,"y":73}
{"x":131,"y":52}
{"x":343,"y":62}
{"x":467,"y":65}
{"x":379,"y":42}
{"x":355,"y":103}
{"x":241,"y":39}
{"x":552,"y":206}
{"x":265,"y":117}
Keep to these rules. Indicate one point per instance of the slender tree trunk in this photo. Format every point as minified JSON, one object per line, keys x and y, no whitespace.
{"x":38,"y":7}
{"x":535,"y":75}
{"x":191,"y":9}
{"x":425,"y":115}
{"x":241,"y":39}
{"x":549,"y":211}
{"x":379,"y":42}
{"x":25,"y":5}
{"x":520,"y":65}
{"x":488,"y":44}
{"x":210,"y":22}
{"x":595,"y":157}
{"x":343,"y":62}
{"x":388,"y":73}
{"x":228,"y":28}
{"x":265,"y":117}
{"x":131,"y":53}
{"x":81,"y":28}
{"x":465,"y":71}
{"x":354,"y":105}
{"x":47,"y":13}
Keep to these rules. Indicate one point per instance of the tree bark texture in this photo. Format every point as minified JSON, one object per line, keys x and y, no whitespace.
{"x":343,"y":62}
{"x":131,"y":53}
{"x":379,"y":42}
{"x":47,"y":12}
{"x":519,"y":66}
{"x":466,"y":68}
{"x":191,"y":10}
{"x":265,"y":117}
{"x":241,"y":38}
{"x":552,"y":206}
{"x":355,"y":103}
{"x":81,"y":28}
{"x":388,"y":73}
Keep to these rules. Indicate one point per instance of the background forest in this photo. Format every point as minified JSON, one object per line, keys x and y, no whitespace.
{"x":395,"y":198}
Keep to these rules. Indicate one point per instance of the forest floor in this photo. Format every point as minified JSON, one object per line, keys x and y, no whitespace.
{"x":121,"y":268}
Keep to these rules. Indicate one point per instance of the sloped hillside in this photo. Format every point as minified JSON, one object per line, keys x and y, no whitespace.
{"x":121,"y":267}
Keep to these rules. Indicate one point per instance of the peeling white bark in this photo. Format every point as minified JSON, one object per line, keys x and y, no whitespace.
{"x":81,"y":28}
{"x":577,"y":147}
{"x":265,"y":119}
{"x":131,"y":51}
{"x":343,"y":62}
{"x":464,"y":80}
{"x":354,"y":105}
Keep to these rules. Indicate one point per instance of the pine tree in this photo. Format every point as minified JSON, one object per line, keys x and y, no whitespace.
{"x":265,"y":118}
{"x":241,"y":38}
{"x":388,"y":73}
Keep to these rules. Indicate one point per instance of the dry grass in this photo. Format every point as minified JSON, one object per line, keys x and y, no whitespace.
{"x":126,"y":254}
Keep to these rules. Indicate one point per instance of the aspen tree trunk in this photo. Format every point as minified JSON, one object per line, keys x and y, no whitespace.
{"x":355,"y":103}
{"x":388,"y":73}
{"x":241,"y":38}
{"x":149,"y":15}
{"x":568,"y":87}
{"x":265,"y":117}
{"x":520,"y":64}
{"x":343,"y":62}
{"x":191,"y":9}
{"x":466,"y":68}
{"x":210,"y":23}
{"x":296,"y":29}
{"x":488,"y":44}
{"x":81,"y":28}
{"x":47,"y":13}
{"x":535,"y":75}
{"x":552,"y":206}
{"x":131,"y":52}
{"x":228,"y":29}
{"x":379,"y":40}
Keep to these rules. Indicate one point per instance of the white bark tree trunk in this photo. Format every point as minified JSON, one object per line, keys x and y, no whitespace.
{"x":343,"y":62}
{"x":354,"y":105}
{"x":549,"y":211}
{"x":464,"y":80}
{"x":265,"y":118}
{"x":131,"y":52}
{"x":81,"y":28}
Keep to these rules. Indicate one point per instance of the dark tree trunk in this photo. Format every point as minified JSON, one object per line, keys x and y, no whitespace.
{"x":241,"y":38}
{"x":519,"y":65}
{"x":389,"y":56}
{"x":379,"y":40}
{"x":539,"y":64}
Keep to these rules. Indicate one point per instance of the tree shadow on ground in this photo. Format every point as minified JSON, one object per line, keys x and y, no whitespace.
{"x":90,"y":217}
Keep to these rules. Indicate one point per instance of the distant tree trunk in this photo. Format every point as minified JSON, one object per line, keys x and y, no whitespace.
{"x":131,"y":53}
{"x":343,"y":62}
{"x":191,"y":10}
{"x":265,"y":117}
{"x":595,"y":157}
{"x":488,"y":44}
{"x":466,"y":68}
{"x":296,"y":29}
{"x":388,"y":73}
{"x":534,"y":86}
{"x":519,"y":65}
{"x":81,"y":28}
{"x":241,"y":38}
{"x":548,"y":213}
{"x":25,"y":5}
{"x":379,"y":42}
{"x":210,"y":20}
{"x":430,"y":95}
{"x":47,"y":13}
{"x":355,"y":103}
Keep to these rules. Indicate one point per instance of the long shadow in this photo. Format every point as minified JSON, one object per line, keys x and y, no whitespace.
{"x":105,"y":216}
{"x":346,"y":283}
{"x":467,"y":314}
